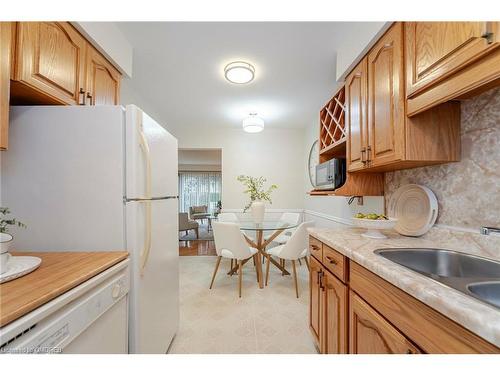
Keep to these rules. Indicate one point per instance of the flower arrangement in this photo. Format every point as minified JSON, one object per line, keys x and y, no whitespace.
{"x":255,"y":188}
{"x":5,"y":222}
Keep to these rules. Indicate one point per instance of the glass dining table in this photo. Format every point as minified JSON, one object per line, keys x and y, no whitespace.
{"x":254,"y":234}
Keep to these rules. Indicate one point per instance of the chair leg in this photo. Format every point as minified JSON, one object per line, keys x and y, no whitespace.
{"x":196,"y":231}
{"x":240,"y":268}
{"x":215,"y":271}
{"x":255,"y":264}
{"x":307,"y":263}
{"x":267,"y":267}
{"x":295,"y":279}
{"x":300,"y":263}
{"x":283,"y":264}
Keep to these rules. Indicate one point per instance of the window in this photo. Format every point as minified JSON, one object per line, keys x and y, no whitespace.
{"x":199,"y":189}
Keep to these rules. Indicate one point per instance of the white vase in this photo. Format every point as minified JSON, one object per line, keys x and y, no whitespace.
{"x":5,"y":242}
{"x":258,"y":210}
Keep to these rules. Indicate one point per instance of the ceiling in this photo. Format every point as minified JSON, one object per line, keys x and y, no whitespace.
{"x":178,"y":70}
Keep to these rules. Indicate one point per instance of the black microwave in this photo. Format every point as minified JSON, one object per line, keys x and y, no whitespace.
{"x":331,"y":174}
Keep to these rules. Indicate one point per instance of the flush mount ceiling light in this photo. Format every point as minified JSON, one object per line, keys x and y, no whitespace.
{"x":239,"y":72}
{"x":253,"y":123}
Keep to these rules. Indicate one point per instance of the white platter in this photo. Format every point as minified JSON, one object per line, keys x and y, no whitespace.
{"x":374,"y":226}
{"x":19,"y":266}
{"x":415,"y":207}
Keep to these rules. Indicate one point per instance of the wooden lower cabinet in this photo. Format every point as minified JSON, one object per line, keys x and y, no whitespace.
{"x":369,"y":332}
{"x":367,"y":315}
{"x":315,"y":272}
{"x":334,"y":323}
{"x":328,"y":310}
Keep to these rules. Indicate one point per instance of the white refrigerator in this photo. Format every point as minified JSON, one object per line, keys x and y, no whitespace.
{"x":98,"y":179}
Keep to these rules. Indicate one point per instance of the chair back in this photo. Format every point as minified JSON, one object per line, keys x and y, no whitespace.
{"x":227,"y":217}
{"x":297,"y":243}
{"x":290,"y":217}
{"x":198,"y":210}
{"x":183,"y":220}
{"x":229,"y":241}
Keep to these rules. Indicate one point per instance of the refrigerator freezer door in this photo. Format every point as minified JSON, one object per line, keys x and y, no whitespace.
{"x":151,"y":157}
{"x":63,"y":176}
{"x":154,"y":315}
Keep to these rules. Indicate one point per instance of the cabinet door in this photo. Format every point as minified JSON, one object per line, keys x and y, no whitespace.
{"x":334,"y":315}
{"x":5,"y":42}
{"x":434,"y":50}
{"x":51,"y":58}
{"x":103,"y":80}
{"x":355,"y":92}
{"x":314,"y":300}
{"x":370,"y":333}
{"x":386,"y":117}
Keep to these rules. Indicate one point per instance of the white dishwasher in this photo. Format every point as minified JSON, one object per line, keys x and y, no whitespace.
{"x":90,"y":318}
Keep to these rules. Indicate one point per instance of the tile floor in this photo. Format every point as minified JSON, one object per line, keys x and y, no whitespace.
{"x":270,"y":320}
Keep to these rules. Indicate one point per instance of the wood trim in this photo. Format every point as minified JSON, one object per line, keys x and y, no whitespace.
{"x":429,"y":329}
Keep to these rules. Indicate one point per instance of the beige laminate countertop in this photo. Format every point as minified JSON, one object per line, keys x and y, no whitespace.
{"x":58,"y":273}
{"x":478,"y":317}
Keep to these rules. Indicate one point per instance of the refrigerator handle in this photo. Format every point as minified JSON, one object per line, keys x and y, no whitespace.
{"x":147,"y":239}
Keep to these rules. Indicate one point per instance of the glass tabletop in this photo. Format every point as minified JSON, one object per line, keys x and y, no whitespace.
{"x":265,"y":225}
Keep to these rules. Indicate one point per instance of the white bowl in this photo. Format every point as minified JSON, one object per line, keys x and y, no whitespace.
{"x":374,"y":226}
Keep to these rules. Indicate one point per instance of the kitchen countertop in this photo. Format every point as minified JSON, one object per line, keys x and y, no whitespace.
{"x":58,"y":273}
{"x":478,"y":317}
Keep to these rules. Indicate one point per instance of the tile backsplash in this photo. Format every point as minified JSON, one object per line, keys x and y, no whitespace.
{"x":468,"y":192}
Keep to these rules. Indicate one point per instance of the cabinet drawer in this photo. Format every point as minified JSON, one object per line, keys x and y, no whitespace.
{"x":335,"y":262}
{"x":315,"y":248}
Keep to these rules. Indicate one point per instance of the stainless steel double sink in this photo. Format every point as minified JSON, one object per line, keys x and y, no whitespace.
{"x":475,"y":276}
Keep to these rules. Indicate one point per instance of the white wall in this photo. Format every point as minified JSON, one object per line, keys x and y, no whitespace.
{"x":109,"y":40}
{"x":276,"y":154}
{"x":356,"y":43}
{"x":331,"y":211}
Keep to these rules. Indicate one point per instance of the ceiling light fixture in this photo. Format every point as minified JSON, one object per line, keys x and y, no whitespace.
{"x":239,"y":72}
{"x":253,"y":123}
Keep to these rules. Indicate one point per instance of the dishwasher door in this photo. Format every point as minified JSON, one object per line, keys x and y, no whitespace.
{"x":108,"y":334}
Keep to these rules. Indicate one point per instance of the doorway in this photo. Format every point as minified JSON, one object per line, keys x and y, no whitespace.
{"x":200,"y":199}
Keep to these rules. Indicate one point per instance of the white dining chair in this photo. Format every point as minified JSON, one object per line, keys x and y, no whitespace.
{"x":294,"y":249}
{"x":227,"y":217}
{"x":230,"y":243}
{"x":287,"y":217}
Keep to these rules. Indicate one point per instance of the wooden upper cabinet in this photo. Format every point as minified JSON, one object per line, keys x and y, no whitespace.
{"x":435,"y":50}
{"x":386,"y":115}
{"x":315,"y":273}
{"x":51,"y":58}
{"x":370,"y":333}
{"x":103,"y":80}
{"x":334,"y":315}
{"x":5,"y":61}
{"x":356,"y":97}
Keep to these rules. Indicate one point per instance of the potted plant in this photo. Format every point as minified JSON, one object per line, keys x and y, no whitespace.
{"x":258,"y":195}
{"x":219,"y":208}
{"x":5,"y":236}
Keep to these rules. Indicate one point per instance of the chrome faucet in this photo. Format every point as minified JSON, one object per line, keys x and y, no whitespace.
{"x":487,"y":230}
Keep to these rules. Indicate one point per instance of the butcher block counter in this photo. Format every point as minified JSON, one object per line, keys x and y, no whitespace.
{"x":58,"y":273}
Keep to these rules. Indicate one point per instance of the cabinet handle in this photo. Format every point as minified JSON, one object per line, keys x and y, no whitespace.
{"x":409,"y":351}
{"x":82,"y":94}
{"x":320,"y":275}
{"x":314,"y":247}
{"x":363,"y":159}
{"x":369,"y":153}
{"x":331,"y":260}
{"x":488,"y":36}
{"x":90,"y":98}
